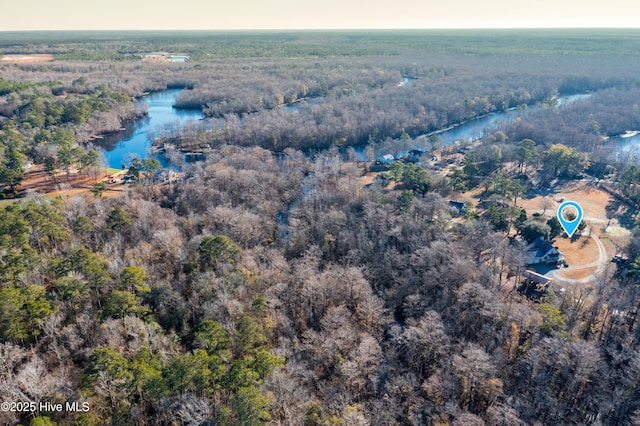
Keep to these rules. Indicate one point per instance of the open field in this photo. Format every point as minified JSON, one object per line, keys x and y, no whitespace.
{"x":579,"y":252}
{"x":601,"y":211}
{"x":593,"y":200}
{"x":38,"y":57}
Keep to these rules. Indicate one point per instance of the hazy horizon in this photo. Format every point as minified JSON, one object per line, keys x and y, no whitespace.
{"x":250,"y":15}
{"x":312,"y":30}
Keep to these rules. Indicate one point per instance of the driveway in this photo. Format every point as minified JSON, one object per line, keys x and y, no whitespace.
{"x":600,"y":264}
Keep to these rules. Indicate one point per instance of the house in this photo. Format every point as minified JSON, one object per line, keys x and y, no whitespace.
{"x":620,"y":259}
{"x":457,"y":208}
{"x":534,"y":285}
{"x":378,"y":166}
{"x":414,"y":155}
{"x":386,"y":159}
{"x":537,"y":278}
{"x":178,"y":58}
{"x":165,"y":176}
{"x":192,"y":157}
{"x":540,"y":251}
{"x":600,"y":169}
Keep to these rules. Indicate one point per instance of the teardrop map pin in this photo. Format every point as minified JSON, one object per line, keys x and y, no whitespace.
{"x":570,"y":226}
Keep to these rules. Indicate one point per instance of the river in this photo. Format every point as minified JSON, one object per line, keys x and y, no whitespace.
{"x":120,"y":148}
{"x":626,"y":147}
{"x":476,"y":128}
{"x":134,"y":141}
{"x":467,"y":131}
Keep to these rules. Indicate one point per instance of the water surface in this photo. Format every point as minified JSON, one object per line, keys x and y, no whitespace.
{"x":121,"y":147}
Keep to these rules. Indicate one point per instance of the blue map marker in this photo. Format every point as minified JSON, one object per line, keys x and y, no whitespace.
{"x":570,"y":226}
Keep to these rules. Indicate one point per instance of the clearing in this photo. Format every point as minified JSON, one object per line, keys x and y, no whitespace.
{"x":590,"y":254}
{"x":38,"y":181}
{"x":36,"y":57}
{"x":607,"y":232}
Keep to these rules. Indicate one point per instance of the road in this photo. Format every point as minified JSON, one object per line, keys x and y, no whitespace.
{"x":600,"y":264}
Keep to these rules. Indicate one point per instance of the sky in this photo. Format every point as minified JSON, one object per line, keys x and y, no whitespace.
{"x":25,"y":15}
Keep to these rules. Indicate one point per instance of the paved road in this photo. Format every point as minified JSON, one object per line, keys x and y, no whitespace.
{"x":601,"y":264}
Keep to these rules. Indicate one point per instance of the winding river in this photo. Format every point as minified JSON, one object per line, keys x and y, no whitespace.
{"x":135,"y":140}
{"x":475,"y":128}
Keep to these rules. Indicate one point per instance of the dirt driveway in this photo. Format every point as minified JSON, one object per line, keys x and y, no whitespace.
{"x":593,"y":269}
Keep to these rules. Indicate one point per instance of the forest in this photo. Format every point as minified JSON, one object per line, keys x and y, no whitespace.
{"x":273,"y":283}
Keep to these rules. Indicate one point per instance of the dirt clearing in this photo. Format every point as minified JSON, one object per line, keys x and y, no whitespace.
{"x":18,"y":58}
{"x":580,"y":252}
{"x":38,"y":181}
{"x":593,"y":200}
{"x":601,"y":213}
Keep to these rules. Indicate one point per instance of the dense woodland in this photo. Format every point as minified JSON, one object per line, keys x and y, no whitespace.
{"x":271,"y":286}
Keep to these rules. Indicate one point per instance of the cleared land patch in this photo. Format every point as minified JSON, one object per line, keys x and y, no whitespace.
{"x":40,"y":182}
{"x":580,"y":252}
{"x":37,"y":57}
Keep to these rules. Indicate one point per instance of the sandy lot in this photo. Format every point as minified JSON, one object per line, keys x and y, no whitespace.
{"x":601,"y":211}
{"x":593,"y":201}
{"x":39,"y":57}
{"x":38,"y":181}
{"x":580,"y":252}
{"x":603,"y":216}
